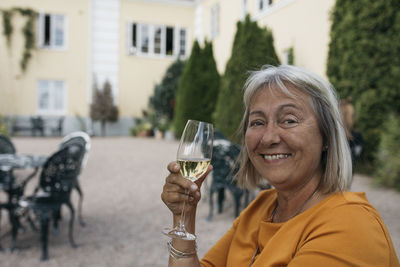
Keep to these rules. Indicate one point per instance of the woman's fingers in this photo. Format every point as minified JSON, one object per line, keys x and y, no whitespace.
{"x":178,"y":189}
{"x":176,"y":178}
{"x":200,"y":181}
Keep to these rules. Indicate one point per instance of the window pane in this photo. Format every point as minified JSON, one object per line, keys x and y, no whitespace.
{"x":157,"y":40}
{"x":169,"y":41}
{"x":58,"y":95}
{"x":58,"y":30}
{"x":182,"y":42}
{"x":144,"y":45}
{"x":46,"y":30}
{"x":134,"y":36}
{"x":43,"y":95}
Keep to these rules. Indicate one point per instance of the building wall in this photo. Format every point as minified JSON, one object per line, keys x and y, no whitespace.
{"x":303,"y":25}
{"x":230,"y":11}
{"x":139,"y":74}
{"x":18,"y":90}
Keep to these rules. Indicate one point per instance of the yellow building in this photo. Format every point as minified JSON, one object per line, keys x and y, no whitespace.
{"x":130,"y":43}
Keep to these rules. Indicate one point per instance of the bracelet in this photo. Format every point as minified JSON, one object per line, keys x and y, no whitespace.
{"x":177,"y":254}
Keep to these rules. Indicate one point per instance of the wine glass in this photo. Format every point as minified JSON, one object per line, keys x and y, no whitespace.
{"x":194,"y":156}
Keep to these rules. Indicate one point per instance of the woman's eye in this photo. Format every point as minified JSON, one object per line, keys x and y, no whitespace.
{"x":255,"y":123}
{"x":289,"y":122}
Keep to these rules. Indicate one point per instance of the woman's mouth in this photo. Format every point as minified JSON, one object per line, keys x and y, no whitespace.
{"x":275,"y":156}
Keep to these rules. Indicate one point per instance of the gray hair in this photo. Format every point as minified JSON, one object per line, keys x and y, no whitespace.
{"x":336,"y":159}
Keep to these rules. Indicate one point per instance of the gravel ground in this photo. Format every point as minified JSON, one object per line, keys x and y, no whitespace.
{"x":122,"y":183}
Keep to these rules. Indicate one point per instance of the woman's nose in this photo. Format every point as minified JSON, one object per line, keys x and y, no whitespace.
{"x":271,"y":135}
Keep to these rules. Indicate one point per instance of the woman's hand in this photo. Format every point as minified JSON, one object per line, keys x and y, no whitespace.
{"x":178,"y":189}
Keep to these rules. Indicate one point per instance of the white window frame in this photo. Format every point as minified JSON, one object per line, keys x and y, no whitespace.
{"x":184,"y":42}
{"x":140,"y":40}
{"x":52,"y":109}
{"x":215,"y":21}
{"x":176,"y":42}
{"x":41,"y":35}
{"x":264,"y":4}
{"x":162,"y":39}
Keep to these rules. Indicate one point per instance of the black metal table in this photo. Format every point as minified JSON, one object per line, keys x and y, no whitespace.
{"x":19,"y":161}
{"x":13,"y":188}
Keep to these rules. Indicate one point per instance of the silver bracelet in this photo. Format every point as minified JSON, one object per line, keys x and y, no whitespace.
{"x":177,"y":254}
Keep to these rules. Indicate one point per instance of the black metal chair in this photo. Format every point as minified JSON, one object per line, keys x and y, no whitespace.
{"x":224,"y":158}
{"x":59,"y":127}
{"x":37,"y":125}
{"x":57,"y":179}
{"x":6,"y":147}
{"x":7,"y":184}
{"x":83,"y":139}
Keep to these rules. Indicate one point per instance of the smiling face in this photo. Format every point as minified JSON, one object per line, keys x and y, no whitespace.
{"x":283,"y":139}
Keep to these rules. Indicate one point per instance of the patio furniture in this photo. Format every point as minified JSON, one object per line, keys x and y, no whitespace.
{"x":15,"y":189}
{"x":57,"y":179}
{"x":32,"y":126}
{"x":83,"y":139}
{"x":37,"y":125}
{"x":9,"y":161}
{"x":223,"y":160}
{"x":6,"y":147}
{"x":57,"y":131}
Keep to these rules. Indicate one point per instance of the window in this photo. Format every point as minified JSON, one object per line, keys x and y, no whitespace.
{"x":51,"y":97}
{"x":214,"y":21}
{"x":133,"y":35}
{"x":169,"y":46}
{"x":182,"y":44}
{"x":51,"y":31}
{"x":156,"y":40}
{"x":144,"y":37}
{"x":263,"y":4}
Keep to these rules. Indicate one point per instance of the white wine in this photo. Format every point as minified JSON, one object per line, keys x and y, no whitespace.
{"x":192,"y":169}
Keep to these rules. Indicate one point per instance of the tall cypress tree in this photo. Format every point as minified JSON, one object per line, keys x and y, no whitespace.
{"x":197,"y":89}
{"x":364,"y":63}
{"x":252,"y":48}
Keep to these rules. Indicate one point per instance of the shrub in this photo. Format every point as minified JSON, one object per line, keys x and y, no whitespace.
{"x":388,"y":169}
{"x":364,"y":63}
{"x":3,"y":126}
{"x":102,"y":109}
{"x":163,"y":99}
{"x":197,"y":89}
{"x":252,"y":48}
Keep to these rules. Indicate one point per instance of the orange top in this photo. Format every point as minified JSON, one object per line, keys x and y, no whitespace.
{"x":342,"y":230}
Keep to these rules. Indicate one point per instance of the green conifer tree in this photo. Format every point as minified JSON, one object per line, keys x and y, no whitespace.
{"x":364,"y":63}
{"x":197,"y":89}
{"x":103,"y":109}
{"x":252,"y":48}
{"x":163,"y":99}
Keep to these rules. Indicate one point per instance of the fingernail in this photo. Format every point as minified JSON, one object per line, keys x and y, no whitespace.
{"x":197,"y":194}
{"x":176,"y":167}
{"x":194,"y":187}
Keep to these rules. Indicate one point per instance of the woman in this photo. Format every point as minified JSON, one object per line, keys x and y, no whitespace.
{"x":293,"y":138}
{"x":354,"y":138}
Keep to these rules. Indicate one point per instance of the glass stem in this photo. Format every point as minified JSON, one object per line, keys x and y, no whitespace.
{"x":182,"y":221}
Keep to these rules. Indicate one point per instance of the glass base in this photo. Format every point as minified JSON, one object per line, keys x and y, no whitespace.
{"x":178,"y":233}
